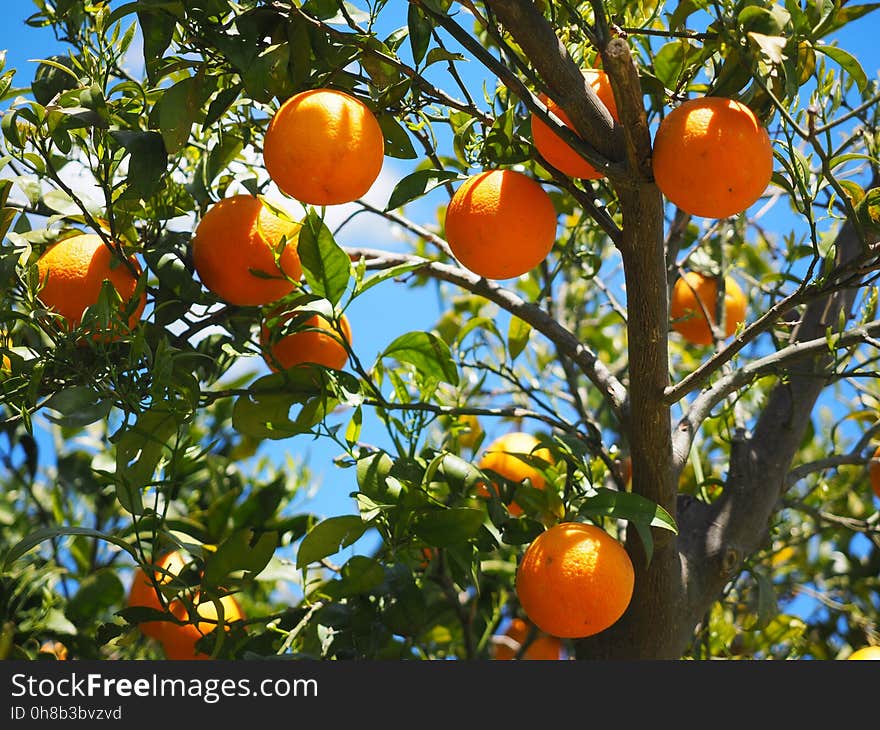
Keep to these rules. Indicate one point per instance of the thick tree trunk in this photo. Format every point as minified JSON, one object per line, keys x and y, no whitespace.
{"x":688,"y":572}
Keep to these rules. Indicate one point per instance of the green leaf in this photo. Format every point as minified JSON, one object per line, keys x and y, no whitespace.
{"x":360,"y":574}
{"x":642,"y":513}
{"x":179,"y":107}
{"x":371,"y":473}
{"x":47,"y":533}
{"x":96,"y":593}
{"x":157,"y":29}
{"x":53,"y":76}
{"x":77,"y":406}
{"x":417,"y":184}
{"x":427,"y":353}
{"x":240,"y":552}
{"x":329,"y":537}
{"x":386,"y":274}
{"x":848,"y":63}
{"x":419,"y":32}
{"x":397,"y":141}
{"x":147,"y":162}
{"x":448,"y":527}
{"x":326,"y":266}
{"x":517,"y":336}
{"x":673,"y":59}
{"x":138,"y":452}
{"x":264,"y":411}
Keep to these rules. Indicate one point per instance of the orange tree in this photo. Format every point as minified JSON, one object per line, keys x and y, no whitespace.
{"x":749,"y":519}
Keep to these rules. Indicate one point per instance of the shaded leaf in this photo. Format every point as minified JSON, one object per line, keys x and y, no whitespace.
{"x":329,"y":537}
{"x":238,"y":552}
{"x":448,"y":527}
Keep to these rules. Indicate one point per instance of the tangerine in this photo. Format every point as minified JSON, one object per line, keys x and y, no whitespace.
{"x":318,"y":342}
{"x":234,"y":252}
{"x":712,"y":157}
{"x":556,"y":150}
{"x":574,"y":580}
{"x":324,"y":147}
{"x":542,"y":647}
{"x":72,"y":272}
{"x":500,"y":224}
{"x":505,"y":455}
{"x":692,"y":294}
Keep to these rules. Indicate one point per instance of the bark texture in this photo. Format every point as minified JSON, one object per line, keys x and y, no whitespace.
{"x":688,"y":572}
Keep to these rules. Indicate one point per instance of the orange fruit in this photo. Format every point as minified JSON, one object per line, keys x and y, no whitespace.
{"x":179,"y":640}
{"x":73,"y":271}
{"x":503,"y":457}
{"x":574,"y":580}
{"x":318,"y":342}
{"x":500,"y":224}
{"x":543,"y":647}
{"x":556,"y":150}
{"x":866,"y":652}
{"x":712,"y":157}
{"x":693,"y":293}
{"x":874,"y":472}
{"x":324,"y":147}
{"x":234,"y":252}
{"x":143,"y":592}
{"x":55,"y":648}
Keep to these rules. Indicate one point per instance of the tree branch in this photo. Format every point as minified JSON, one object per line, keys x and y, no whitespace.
{"x":611,"y":388}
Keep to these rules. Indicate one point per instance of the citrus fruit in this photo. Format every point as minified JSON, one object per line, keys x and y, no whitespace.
{"x":500,"y":224}
{"x":234,"y":252}
{"x":556,"y":150}
{"x":542,"y":647}
{"x":692,"y":294}
{"x":712,"y":158}
{"x":505,"y":455}
{"x":143,"y":591}
{"x":874,"y":472}
{"x":324,"y":147}
{"x":55,"y":649}
{"x":179,"y":640}
{"x":574,"y":580}
{"x":73,"y":271}
{"x":866,"y":652}
{"x":317,"y":342}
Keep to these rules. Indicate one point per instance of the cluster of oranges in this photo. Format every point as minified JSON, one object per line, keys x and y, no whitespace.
{"x":325,"y":147}
{"x":574,"y":579}
{"x":177,"y":634}
{"x":322,"y":147}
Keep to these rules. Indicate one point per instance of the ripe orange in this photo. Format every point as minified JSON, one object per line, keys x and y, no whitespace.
{"x":324,"y":147}
{"x":866,"y":652}
{"x":234,"y":252}
{"x":874,"y":472}
{"x":712,"y":157}
{"x":503,"y":457}
{"x":144,"y":593}
{"x":179,"y":640}
{"x":317,"y":343}
{"x":73,"y":271}
{"x":686,"y":311}
{"x":556,"y":150}
{"x":543,"y":647}
{"x":574,"y":580}
{"x":54,"y":648}
{"x":500,"y":224}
